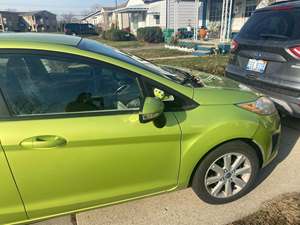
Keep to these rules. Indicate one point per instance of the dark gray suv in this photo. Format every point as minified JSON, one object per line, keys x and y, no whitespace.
{"x":266,"y":55}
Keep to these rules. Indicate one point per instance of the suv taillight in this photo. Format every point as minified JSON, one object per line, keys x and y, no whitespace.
{"x":234,"y":45}
{"x":282,"y":8}
{"x":295,"y":51}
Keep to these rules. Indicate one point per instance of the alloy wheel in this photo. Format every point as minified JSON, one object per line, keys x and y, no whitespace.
{"x":228,"y":175}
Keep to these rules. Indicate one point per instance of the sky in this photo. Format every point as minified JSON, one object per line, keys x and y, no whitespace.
{"x":55,"y":6}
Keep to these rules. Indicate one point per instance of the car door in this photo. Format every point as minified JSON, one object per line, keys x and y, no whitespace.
{"x":11,"y":207}
{"x":74,"y":139}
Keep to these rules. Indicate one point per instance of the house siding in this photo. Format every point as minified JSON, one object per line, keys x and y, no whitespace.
{"x":30,"y":21}
{"x":9,"y":21}
{"x":182,"y":13}
{"x":41,"y":21}
{"x":238,"y":14}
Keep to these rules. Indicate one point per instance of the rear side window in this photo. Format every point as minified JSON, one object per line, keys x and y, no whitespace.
{"x":272,"y":25}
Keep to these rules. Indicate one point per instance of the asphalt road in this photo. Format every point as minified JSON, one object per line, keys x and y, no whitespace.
{"x":184,"y":208}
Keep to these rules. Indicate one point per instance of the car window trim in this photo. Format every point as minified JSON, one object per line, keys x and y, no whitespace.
{"x":4,"y":108}
{"x":70,"y":115}
{"x":190,"y":103}
{"x":7,"y":114}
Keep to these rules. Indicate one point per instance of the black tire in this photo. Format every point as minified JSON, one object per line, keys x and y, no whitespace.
{"x":198,"y":182}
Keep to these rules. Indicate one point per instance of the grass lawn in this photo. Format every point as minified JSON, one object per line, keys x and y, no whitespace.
{"x":215,"y":64}
{"x":141,"y":49}
{"x":157,"y":53}
{"x":120,"y":44}
{"x":210,"y":64}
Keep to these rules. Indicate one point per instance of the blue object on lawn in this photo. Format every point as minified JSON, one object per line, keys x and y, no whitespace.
{"x":224,"y":48}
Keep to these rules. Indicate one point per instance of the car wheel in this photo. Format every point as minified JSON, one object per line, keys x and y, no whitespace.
{"x":227,"y":173}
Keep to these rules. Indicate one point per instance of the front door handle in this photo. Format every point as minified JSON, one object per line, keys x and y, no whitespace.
{"x":43,"y":141}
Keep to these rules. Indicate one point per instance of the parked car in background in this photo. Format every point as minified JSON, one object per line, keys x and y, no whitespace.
{"x":84,"y":125}
{"x":80,"y":29}
{"x":266,"y":55}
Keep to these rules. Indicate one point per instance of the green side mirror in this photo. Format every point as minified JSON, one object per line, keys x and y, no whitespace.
{"x":152,"y":109}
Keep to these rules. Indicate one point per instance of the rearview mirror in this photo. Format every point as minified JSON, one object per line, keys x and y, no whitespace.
{"x":152,"y":109}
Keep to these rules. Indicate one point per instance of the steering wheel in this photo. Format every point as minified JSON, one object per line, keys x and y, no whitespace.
{"x":121,"y":89}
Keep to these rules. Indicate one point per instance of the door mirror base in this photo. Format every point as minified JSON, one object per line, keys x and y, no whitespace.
{"x":152,"y":109}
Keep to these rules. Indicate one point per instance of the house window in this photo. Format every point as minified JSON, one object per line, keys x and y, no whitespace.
{"x":250,"y":7}
{"x":157,"y":19}
{"x":215,"y":10}
{"x":143,"y":16}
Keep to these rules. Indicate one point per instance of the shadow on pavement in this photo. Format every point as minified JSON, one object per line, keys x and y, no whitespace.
{"x":290,"y":136}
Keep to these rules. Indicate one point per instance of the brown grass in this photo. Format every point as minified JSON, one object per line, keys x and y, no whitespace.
{"x":214,"y":64}
{"x":284,"y":210}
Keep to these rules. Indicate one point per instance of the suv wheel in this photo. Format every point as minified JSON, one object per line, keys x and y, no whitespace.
{"x":227,"y":173}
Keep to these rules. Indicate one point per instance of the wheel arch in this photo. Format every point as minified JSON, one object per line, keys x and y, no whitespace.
{"x":255,"y":146}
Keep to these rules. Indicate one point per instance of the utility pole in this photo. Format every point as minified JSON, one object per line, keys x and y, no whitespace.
{"x":117,"y":21}
{"x":167,"y":14}
{"x":197,"y":2}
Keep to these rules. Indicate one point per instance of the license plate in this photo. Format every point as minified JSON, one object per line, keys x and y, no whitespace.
{"x":256,"y":65}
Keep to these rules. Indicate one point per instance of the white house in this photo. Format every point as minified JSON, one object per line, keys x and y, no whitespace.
{"x":162,"y":13}
{"x":238,"y":12}
{"x":105,"y":18}
{"x":221,"y":17}
{"x":181,"y":13}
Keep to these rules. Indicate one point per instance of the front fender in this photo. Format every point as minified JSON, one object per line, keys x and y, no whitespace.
{"x":206,"y":127}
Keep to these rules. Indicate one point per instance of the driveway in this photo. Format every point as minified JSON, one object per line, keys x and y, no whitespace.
{"x":184,"y":208}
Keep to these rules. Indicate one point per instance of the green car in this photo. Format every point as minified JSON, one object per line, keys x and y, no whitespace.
{"x":84,"y":125}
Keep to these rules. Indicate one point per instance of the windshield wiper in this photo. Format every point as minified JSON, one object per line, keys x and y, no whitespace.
{"x":183,"y":77}
{"x":278,"y":36}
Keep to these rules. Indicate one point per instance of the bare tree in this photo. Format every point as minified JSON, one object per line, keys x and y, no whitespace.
{"x":94,"y":8}
{"x":67,"y":17}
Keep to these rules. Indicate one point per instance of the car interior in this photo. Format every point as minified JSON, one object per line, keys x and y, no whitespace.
{"x":35,"y":85}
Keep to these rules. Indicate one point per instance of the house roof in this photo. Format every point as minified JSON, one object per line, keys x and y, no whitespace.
{"x":39,"y":38}
{"x":105,"y":9}
{"x":151,"y":1}
{"x":9,"y":12}
{"x":27,"y":13}
{"x":92,"y":14}
{"x":108,"y":8}
{"x":132,"y":8}
{"x":32,"y":13}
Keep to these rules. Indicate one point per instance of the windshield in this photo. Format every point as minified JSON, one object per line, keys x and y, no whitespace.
{"x":273,"y":25}
{"x":176,"y":75}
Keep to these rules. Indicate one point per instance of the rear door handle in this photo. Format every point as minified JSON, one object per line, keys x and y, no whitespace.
{"x":43,"y":141}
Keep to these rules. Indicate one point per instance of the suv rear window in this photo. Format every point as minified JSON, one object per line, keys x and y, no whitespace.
{"x":272,"y":25}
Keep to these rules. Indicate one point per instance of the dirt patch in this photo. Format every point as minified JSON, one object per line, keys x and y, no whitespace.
{"x":284,"y":210}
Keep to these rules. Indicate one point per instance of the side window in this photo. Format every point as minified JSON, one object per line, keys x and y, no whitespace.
{"x":3,"y":63}
{"x":175,"y":102}
{"x":34,"y":84}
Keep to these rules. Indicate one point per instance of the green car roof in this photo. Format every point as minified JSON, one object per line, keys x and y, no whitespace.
{"x":41,"y":38}
{"x":58,"y":40}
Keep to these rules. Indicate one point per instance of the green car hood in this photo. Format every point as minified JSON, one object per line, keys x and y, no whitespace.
{"x":221,"y":90}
